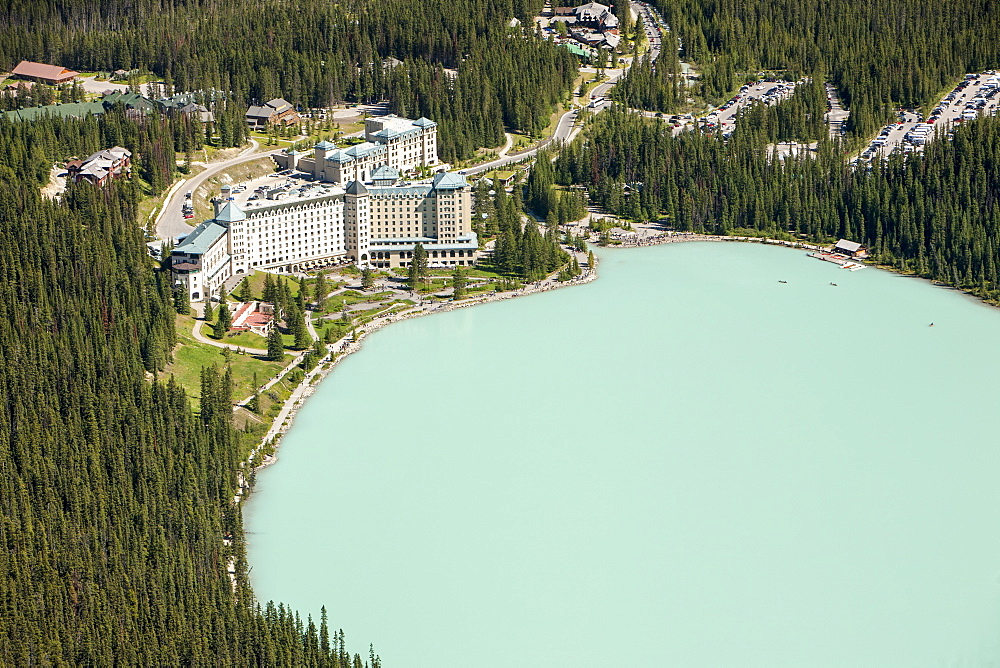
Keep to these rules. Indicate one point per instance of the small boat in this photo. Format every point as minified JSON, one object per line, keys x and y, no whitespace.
{"x":782,"y":281}
{"x":833,"y":284}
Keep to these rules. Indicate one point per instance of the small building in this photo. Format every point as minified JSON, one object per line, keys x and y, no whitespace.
{"x":256,"y":317}
{"x":15,"y":88}
{"x":577,"y":50}
{"x":100,"y":167}
{"x":506,"y":178}
{"x":274,"y":112}
{"x":198,"y":112}
{"x":50,"y":74}
{"x":596,"y":15}
{"x":131,"y":101}
{"x":850,"y":249}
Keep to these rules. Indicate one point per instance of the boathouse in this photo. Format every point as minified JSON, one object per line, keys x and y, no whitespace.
{"x":850,"y":249}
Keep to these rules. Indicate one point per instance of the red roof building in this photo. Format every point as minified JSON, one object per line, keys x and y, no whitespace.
{"x":50,"y":74}
{"x":256,"y":317}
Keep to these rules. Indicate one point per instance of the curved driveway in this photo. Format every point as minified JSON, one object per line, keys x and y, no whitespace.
{"x":171,"y":224}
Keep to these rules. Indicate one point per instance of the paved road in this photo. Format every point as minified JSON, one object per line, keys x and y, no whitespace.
{"x":196,"y":333}
{"x":171,"y":224}
{"x":567,"y":127}
{"x":837,"y":115}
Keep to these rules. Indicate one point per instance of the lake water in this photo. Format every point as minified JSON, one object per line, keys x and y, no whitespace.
{"x":684,"y":463}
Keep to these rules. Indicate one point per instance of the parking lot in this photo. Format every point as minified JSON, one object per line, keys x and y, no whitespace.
{"x":769,"y":92}
{"x":976,"y":95}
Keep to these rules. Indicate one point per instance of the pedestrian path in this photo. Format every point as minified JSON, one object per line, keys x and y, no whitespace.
{"x":196,"y":333}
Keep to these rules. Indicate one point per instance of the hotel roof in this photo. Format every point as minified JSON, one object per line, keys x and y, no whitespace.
{"x":356,"y":151}
{"x":201,"y":238}
{"x":230,"y":213}
{"x":449,"y":181}
{"x":385,"y":172}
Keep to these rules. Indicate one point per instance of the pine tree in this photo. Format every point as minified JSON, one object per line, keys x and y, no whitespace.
{"x":275,"y":345}
{"x":458,"y":282}
{"x":418,"y":267}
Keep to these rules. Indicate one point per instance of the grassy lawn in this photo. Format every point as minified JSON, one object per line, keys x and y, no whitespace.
{"x":272,"y":400}
{"x":257,"y":283}
{"x":244,"y":339}
{"x":350,"y":297}
{"x":190,"y":356}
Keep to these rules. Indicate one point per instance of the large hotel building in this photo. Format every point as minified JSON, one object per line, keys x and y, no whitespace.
{"x":398,"y":142}
{"x":374,"y":219}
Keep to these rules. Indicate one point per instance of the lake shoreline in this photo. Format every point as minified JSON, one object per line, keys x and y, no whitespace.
{"x":266,"y":450}
{"x":656,"y":338}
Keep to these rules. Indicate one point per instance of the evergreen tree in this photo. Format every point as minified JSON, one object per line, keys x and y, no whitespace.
{"x":246,"y":291}
{"x":367,"y":278}
{"x":181,"y":303}
{"x":275,"y":345}
{"x":458,"y":282}
{"x":418,"y":267}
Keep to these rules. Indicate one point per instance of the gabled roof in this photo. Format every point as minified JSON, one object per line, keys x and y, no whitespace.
{"x":230,"y":213}
{"x":109,"y":154}
{"x":201,"y":238}
{"x":279,"y":104}
{"x":68,"y":110}
{"x":386,"y":133}
{"x":259,"y":112}
{"x":850,"y":246}
{"x":27,"y":68}
{"x":593,"y":8}
{"x":449,"y":181}
{"x":424,"y":122}
{"x":325,"y":146}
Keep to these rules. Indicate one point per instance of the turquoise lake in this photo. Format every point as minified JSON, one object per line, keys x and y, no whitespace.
{"x":684,"y":463}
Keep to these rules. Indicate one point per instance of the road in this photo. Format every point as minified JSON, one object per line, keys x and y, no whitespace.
{"x":171,"y":224}
{"x":567,"y":126}
{"x":837,"y":115}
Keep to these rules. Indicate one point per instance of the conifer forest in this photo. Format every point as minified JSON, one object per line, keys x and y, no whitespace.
{"x":120,"y":541}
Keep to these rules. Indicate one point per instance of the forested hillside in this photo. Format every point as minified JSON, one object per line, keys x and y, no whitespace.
{"x":878,"y":53}
{"x":316,"y":52}
{"x":937,"y":215}
{"x":115,"y":496}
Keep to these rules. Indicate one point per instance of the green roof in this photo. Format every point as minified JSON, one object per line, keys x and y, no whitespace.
{"x":201,"y":238}
{"x":449,"y":181}
{"x":68,"y":110}
{"x":230,"y":213}
{"x":576,"y":50}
